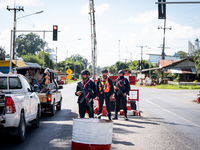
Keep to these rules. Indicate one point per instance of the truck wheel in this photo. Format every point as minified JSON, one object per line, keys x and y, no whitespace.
{"x":36,"y":121}
{"x":58,"y":107}
{"x":53,"y":110}
{"x":22,"y":128}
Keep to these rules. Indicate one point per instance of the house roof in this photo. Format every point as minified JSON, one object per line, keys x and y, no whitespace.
{"x":165,"y":63}
{"x":169,"y":64}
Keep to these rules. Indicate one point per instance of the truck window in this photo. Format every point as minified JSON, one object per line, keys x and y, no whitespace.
{"x":3,"y":82}
{"x":14,"y":83}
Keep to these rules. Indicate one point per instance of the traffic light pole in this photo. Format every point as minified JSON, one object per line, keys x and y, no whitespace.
{"x":163,"y":47}
{"x":177,"y":2}
{"x":44,"y":31}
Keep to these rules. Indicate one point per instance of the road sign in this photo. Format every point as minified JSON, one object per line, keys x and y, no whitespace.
{"x":69,"y":76}
{"x":161,"y":10}
{"x":69,"y":71}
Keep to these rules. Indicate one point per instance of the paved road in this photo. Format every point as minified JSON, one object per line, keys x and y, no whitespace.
{"x":54,"y":131}
{"x":170,"y":120}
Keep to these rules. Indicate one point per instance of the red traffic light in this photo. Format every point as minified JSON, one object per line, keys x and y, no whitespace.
{"x":55,"y":27}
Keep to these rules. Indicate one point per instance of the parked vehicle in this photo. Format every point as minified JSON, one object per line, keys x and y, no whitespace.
{"x":60,"y":82}
{"x":50,"y":98}
{"x":18,"y":105}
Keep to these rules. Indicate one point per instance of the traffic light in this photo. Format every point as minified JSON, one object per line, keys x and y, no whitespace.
{"x":55,"y":31}
{"x":161,"y":10}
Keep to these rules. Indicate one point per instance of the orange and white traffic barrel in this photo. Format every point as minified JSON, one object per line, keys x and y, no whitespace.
{"x":90,"y":134}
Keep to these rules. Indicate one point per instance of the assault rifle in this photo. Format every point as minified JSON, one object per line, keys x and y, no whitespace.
{"x":85,"y":94}
{"x":120,"y":88}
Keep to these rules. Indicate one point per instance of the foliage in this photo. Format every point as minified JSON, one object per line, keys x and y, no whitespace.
{"x":112,"y":69}
{"x":32,"y":58}
{"x":30,"y":43}
{"x":78,"y":57}
{"x":68,"y":63}
{"x":197,"y":62}
{"x":183,"y":87}
{"x":182,"y":54}
{"x":121,"y":65}
{"x":47,"y":60}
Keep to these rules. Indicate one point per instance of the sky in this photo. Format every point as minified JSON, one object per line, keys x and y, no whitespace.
{"x":133,"y":22}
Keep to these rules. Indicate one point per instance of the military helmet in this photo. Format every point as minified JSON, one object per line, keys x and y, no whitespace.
{"x":85,"y":72}
{"x":104,"y":71}
{"x":121,"y":72}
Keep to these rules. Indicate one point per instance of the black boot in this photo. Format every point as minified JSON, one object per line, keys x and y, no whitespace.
{"x":115,"y":118}
{"x":109,"y":117}
{"x":126,"y":118}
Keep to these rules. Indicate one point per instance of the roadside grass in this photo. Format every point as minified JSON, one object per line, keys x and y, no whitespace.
{"x":68,"y":81}
{"x":167,"y":86}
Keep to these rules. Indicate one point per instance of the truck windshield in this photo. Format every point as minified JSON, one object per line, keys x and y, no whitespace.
{"x":14,"y":83}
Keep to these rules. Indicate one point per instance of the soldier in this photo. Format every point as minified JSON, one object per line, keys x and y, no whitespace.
{"x":122,"y":88}
{"x":105,"y":91}
{"x":86,"y":92}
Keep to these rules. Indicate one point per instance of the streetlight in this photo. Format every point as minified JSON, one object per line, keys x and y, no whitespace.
{"x":39,"y":12}
{"x":14,"y":33}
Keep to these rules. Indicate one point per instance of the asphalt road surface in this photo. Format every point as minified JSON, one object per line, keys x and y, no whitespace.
{"x":169,"y":121}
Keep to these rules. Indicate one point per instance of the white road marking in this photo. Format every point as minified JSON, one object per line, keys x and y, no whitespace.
{"x":173,"y":114}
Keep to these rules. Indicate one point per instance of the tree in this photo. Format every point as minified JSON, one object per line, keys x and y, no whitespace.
{"x":182,"y":54}
{"x":112,"y":69}
{"x":32,"y":58}
{"x":197,"y":62}
{"x":30,"y":43}
{"x":69,"y":64}
{"x":78,"y":57}
{"x":2,"y":53}
{"x":121,"y":65}
{"x":47,"y":60}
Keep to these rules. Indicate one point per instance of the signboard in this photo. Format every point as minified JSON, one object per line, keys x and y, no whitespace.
{"x":69,"y":71}
{"x":69,"y":76}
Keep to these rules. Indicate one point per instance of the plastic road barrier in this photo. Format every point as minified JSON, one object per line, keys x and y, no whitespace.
{"x":90,"y":134}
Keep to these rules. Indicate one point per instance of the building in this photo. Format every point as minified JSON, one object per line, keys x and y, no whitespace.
{"x":184,"y":67}
{"x":196,"y":44}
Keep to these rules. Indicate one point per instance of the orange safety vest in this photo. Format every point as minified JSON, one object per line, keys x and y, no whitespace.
{"x":106,"y":86}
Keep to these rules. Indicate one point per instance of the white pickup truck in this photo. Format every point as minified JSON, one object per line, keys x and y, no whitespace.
{"x":18,"y":105}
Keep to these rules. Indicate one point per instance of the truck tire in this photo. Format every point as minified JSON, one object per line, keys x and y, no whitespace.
{"x":36,"y":121}
{"x":53,"y":110}
{"x":22,"y":128}
{"x":58,"y":107}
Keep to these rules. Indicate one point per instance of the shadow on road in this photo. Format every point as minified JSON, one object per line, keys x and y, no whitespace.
{"x":55,"y":132}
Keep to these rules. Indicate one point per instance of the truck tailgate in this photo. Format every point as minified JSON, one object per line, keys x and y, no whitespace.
{"x":42,"y":97}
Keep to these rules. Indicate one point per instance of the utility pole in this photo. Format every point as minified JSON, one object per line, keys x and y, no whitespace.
{"x":141,"y":46}
{"x":15,"y":9}
{"x":164,"y":29}
{"x":56,"y":58}
{"x":119,"y":49}
{"x":93,"y":38}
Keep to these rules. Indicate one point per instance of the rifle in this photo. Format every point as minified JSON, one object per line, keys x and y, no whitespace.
{"x":85,"y":96}
{"x":120,"y":88}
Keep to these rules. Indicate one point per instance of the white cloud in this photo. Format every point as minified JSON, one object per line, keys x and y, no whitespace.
{"x":100,"y":10}
{"x":145,"y":17}
{"x":27,"y":2}
{"x":146,"y":28}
